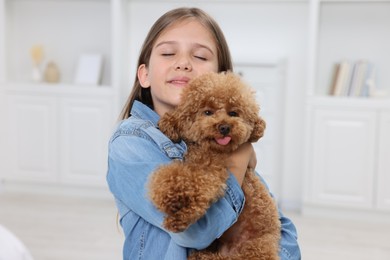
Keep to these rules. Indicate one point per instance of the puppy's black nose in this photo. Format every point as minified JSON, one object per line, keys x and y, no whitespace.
{"x":224,"y":129}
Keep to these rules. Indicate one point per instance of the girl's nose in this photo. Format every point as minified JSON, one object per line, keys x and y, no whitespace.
{"x":183,"y":64}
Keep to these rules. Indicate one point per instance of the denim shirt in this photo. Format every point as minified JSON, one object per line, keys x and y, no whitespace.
{"x":136,"y":149}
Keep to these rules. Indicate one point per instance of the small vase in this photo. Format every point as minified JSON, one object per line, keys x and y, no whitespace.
{"x":36,"y":74}
{"x":52,"y":73}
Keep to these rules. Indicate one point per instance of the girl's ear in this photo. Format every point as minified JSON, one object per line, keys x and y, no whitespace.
{"x":142,"y":74}
{"x":258,"y":130}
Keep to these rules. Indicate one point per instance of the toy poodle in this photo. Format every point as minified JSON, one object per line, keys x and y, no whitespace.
{"x":218,"y":112}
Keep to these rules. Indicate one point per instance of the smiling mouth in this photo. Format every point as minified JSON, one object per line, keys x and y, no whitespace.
{"x":178,"y":82}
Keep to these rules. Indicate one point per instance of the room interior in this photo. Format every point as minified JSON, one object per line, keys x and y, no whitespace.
{"x":319,"y":68}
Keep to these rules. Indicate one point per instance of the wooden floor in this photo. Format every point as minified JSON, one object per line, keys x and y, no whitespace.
{"x":59,"y":228}
{"x":63,"y":228}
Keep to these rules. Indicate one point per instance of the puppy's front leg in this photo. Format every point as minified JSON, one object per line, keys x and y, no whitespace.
{"x":171,"y":190}
{"x":167,"y":188}
{"x":200,"y":190}
{"x":184,"y":193}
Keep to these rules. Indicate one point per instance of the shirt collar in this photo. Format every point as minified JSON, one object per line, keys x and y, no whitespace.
{"x":142,"y":111}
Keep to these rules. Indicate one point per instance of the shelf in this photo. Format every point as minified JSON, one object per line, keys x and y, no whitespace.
{"x":354,"y":1}
{"x":63,"y":30}
{"x":348,"y":31}
{"x":351,"y":102}
{"x":57,"y":89}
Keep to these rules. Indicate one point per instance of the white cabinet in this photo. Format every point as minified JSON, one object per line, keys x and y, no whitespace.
{"x":58,"y":133}
{"x":57,"y":139}
{"x":32,"y":138}
{"x":342,"y":151}
{"x":347,"y":148}
{"x":84,"y":133}
{"x":383,"y":196}
{"x":348,"y":155}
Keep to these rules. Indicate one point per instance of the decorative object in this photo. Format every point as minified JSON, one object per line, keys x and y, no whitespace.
{"x":52,"y":73}
{"x":36,"y":53}
{"x":89,"y":69}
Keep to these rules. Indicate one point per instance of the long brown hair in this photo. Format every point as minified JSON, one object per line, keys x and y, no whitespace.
{"x":176,"y":15}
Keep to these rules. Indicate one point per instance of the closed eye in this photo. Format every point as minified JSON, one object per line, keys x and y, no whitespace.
{"x":200,"y":58}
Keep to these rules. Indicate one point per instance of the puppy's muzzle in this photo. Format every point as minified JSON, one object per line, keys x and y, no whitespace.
{"x":224,"y":129}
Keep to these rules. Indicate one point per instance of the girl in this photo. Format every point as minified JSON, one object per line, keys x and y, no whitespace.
{"x":182,"y":44}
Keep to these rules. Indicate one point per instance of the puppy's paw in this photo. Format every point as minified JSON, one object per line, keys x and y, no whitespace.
{"x":173,"y":204}
{"x":176,"y":223}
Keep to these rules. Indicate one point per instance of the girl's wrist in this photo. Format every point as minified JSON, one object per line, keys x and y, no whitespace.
{"x":239,"y":173}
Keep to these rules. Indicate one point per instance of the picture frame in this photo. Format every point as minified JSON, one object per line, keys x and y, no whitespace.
{"x":89,"y":69}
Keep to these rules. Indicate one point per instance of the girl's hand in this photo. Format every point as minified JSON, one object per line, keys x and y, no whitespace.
{"x":241,"y":159}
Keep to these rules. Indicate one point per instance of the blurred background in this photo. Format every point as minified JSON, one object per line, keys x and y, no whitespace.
{"x":320,"y":70}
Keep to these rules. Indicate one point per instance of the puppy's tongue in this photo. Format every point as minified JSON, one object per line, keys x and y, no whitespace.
{"x":223,"y":141}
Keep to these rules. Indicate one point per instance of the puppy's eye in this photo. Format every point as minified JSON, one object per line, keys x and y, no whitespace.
{"x":208,"y":112}
{"x":233,"y":113}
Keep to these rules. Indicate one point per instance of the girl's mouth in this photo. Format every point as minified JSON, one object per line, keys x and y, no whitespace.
{"x":179,"y":81}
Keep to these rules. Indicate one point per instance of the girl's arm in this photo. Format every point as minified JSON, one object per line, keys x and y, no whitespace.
{"x":240,"y":160}
{"x":132,"y":159}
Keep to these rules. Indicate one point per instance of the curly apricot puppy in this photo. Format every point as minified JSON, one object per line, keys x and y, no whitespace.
{"x":217,"y":114}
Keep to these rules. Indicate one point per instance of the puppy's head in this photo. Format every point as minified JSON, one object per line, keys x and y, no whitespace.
{"x":217,"y":111}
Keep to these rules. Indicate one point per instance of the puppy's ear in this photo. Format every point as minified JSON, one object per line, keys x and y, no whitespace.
{"x":258,"y":130}
{"x":169,"y":125}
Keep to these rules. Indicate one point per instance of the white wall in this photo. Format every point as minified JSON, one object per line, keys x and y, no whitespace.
{"x":60,"y":27}
{"x":255,"y":30}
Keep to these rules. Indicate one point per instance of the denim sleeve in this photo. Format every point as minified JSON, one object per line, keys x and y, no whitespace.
{"x":132,"y":159}
{"x":219,"y":217}
{"x":288,"y":246}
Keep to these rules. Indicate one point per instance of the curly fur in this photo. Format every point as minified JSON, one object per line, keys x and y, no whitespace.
{"x":217,"y":114}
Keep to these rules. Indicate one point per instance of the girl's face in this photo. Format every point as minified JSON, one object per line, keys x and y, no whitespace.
{"x":183,"y":51}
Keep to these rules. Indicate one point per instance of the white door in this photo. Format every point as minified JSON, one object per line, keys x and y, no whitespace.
{"x":267,"y":79}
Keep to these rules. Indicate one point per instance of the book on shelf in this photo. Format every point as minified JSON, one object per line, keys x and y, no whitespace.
{"x":353,"y":79}
{"x":340,"y":78}
{"x":369,"y":83}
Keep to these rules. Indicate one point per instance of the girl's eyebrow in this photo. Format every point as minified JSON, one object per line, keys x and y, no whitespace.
{"x":197,"y":45}
{"x":165,"y":42}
